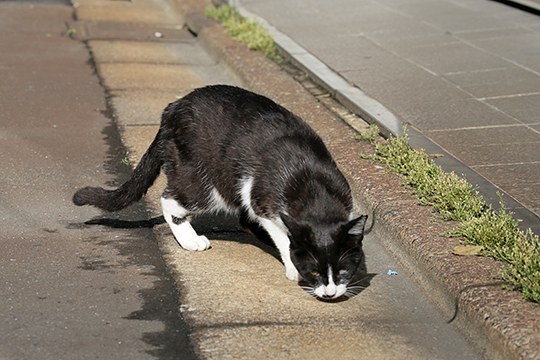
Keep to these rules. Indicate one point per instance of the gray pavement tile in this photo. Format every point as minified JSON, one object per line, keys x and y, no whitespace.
{"x":525,"y":109}
{"x":356,"y":15}
{"x":459,"y":114}
{"x":400,"y":81}
{"x":493,"y":7}
{"x":535,"y":27}
{"x":453,"y":57}
{"x":425,"y":100}
{"x":127,"y":12}
{"x":492,"y":154}
{"x":124,"y":76}
{"x":24,"y":48}
{"x":35,"y":85}
{"x":500,"y":33}
{"x":496,"y":82}
{"x":143,"y":107}
{"x":188,"y":53}
{"x":513,"y":134}
{"x":133,"y":31}
{"x":520,"y":180}
{"x":523,"y":49}
{"x":504,"y":154}
{"x":346,"y":51}
{"x":448,"y":15}
{"x":510,"y":14}
{"x":361,"y":53}
{"x":11,"y":18}
{"x":394,"y":26}
{"x":403,"y":43}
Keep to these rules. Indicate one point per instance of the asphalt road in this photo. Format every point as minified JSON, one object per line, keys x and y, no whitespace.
{"x":69,"y":290}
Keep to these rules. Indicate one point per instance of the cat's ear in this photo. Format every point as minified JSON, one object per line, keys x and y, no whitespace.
{"x":354,"y":229}
{"x":298,"y":231}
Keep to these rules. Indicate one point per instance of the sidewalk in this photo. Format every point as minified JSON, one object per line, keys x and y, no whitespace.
{"x":465,"y":76}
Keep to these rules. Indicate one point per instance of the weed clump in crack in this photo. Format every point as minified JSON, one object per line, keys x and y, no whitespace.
{"x":457,"y":200}
{"x":246,"y":31}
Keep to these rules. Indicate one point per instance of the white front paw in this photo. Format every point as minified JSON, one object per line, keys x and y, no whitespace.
{"x":197,"y":243}
{"x":292,"y":274}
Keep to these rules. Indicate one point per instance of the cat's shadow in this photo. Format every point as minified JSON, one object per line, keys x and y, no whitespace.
{"x":227,"y":228}
{"x":127,"y":224}
{"x":215,"y":227}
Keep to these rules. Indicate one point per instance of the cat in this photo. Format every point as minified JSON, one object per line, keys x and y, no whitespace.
{"x":227,"y":149}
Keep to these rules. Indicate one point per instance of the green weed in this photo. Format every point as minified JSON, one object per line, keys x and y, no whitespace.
{"x":248,"y":32}
{"x":456,"y":199}
{"x":71,"y":32}
{"x":125,"y":161}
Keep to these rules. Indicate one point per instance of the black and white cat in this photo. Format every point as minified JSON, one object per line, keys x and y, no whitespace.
{"x":223,"y":148}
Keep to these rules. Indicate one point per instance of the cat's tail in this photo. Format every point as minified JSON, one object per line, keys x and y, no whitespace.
{"x":131,"y":191}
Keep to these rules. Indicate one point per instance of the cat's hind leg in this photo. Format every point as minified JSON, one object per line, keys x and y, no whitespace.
{"x":176,"y":216}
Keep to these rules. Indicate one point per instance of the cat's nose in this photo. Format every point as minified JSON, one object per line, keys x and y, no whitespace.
{"x":329,"y":291}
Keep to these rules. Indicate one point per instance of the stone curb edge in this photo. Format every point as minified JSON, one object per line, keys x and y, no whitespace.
{"x":463,"y":287}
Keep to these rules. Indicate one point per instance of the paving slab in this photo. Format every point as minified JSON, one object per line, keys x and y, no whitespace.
{"x":186,"y":52}
{"x":501,"y":145}
{"x":132,"y":31}
{"x":136,"y":11}
{"x":525,"y":108}
{"x":520,"y":178}
{"x":142,"y":107}
{"x":494,"y":82}
{"x":122,"y":76}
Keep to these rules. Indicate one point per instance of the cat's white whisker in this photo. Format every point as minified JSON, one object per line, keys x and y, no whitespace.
{"x":358,"y":281}
{"x":353,"y":291}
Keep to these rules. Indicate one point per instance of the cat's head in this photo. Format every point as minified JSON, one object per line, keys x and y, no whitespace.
{"x":327,"y":257}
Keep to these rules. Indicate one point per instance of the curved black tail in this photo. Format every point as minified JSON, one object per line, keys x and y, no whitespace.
{"x":131,"y":191}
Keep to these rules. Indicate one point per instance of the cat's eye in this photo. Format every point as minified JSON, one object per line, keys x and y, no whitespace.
{"x":342,"y":272}
{"x":314,"y":273}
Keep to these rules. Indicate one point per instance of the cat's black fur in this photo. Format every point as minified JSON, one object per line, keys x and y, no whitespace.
{"x":218,"y":136}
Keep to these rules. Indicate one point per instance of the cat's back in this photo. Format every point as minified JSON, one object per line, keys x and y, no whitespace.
{"x":223,"y":108}
{"x":230,"y":116}
{"x":228,"y":134}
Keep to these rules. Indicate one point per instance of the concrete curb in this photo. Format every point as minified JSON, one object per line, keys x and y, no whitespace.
{"x":499,"y":321}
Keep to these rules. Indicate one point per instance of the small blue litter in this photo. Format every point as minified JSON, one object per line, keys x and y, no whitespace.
{"x":392,"y":272}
